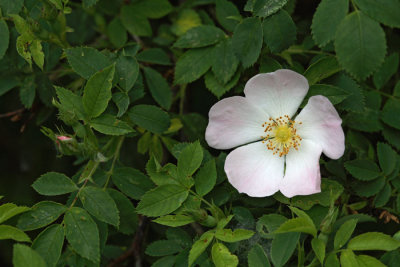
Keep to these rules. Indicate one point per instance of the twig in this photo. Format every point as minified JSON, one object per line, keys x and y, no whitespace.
{"x":12,"y":113}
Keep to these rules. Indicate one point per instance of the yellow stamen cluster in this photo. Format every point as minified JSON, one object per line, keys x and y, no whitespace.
{"x":281,"y":135}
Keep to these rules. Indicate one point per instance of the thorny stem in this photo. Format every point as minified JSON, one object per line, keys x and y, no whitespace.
{"x":84,"y":183}
{"x":116,"y":156}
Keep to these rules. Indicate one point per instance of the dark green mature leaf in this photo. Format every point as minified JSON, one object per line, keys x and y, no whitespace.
{"x":222,"y":257}
{"x":189,"y":159}
{"x":11,"y":7}
{"x":360,"y":45}
{"x":174,"y":220}
{"x":362,"y":169}
{"x":127,"y":71}
{"x":383,"y":196}
{"x":355,"y":102}
{"x":225,"y":61}
{"x":27,"y":91}
{"x":82,"y":233}
{"x":385,"y":72}
{"x":154,"y":9}
{"x":150,"y":117}
{"x":97,"y":92}
{"x":247,"y":41}
{"x":53,"y":184}
{"x":135,"y":21}
{"x":325,"y":21}
{"x":162,"y":200}
{"x":257,"y":257}
{"x":131,"y":182}
{"x":265,"y":8}
{"x":49,"y":244}
{"x":7,"y":83}
{"x":127,"y":213}
{"x":86,"y":61}
{"x":216,"y":87}
{"x":335,"y":94}
{"x":200,"y":246}
{"x":283,"y":246}
{"x":155,"y":56}
{"x":122,"y":101}
{"x":158,"y":87}
{"x":387,"y":158}
{"x":200,"y":36}
{"x":225,"y":10}
{"x":70,"y":102}
{"x":25,"y":256}
{"x":10,"y":232}
{"x":89,"y":3}
{"x":117,"y":33}
{"x":367,"y":189}
{"x":344,"y":233}
{"x":385,"y":11}
{"x":227,"y":235}
{"x":99,"y":203}
{"x":41,"y":214}
{"x":205,"y":178}
{"x":321,"y":69}
{"x":167,"y":261}
{"x":4,"y":38}
{"x":193,"y":64}
{"x":9,"y":210}
{"x":279,"y":31}
{"x":373,"y":241}
{"x":390,"y":111}
{"x":110,"y":125}
{"x":163,"y":248}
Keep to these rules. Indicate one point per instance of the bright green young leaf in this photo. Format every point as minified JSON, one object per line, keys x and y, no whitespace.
{"x":41,"y":214}
{"x":348,"y":258}
{"x":135,"y":21}
{"x":265,"y":8}
{"x":86,"y":61}
{"x":99,"y":203}
{"x":283,"y":246}
{"x":97,"y":92}
{"x":279,"y":31}
{"x":162,"y":200}
{"x":225,"y":11}
{"x":321,"y":69}
{"x":22,"y":42}
{"x":154,"y":56}
{"x":368,"y":261}
{"x":127,"y":71}
{"x":49,"y":244}
{"x":270,"y":223}
{"x":174,"y":220}
{"x":387,"y":157}
{"x":150,"y":117}
{"x":247,"y":41}
{"x":299,"y":224}
{"x":187,"y":19}
{"x":386,"y":71}
{"x":344,"y":233}
{"x":318,"y":247}
{"x":163,"y":248}
{"x":373,"y":241}
{"x":193,"y":64}
{"x":362,"y":169}
{"x":82,"y":234}
{"x":127,"y":213}
{"x":257,"y":257}
{"x":205,"y":178}
{"x":4,"y":38}
{"x":332,"y":260}
{"x":200,"y":246}
{"x":225,"y":61}
{"x":10,"y":232}
{"x":25,"y":256}
{"x":325,"y":21}
{"x":110,"y":125}
{"x":9,"y":210}
{"x":384,"y":11}
{"x":222,"y":257}
{"x":53,"y":184}
{"x":131,"y":182}
{"x":189,"y":159}
{"x":203,"y":35}
{"x":360,"y":44}
{"x":117,"y":33}
{"x":37,"y":53}
{"x":70,"y":102}
{"x":158,"y":87}
{"x":227,"y":235}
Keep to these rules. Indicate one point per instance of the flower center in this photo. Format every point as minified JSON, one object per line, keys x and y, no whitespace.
{"x":281,"y":135}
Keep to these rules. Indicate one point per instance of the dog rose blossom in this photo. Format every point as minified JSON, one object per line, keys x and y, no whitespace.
{"x":275,"y":150}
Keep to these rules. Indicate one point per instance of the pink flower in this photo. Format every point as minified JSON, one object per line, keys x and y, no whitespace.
{"x":276,"y":153}
{"x":63,"y":138}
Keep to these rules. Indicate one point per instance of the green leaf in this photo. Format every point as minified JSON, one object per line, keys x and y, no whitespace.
{"x":193,"y":64}
{"x":271,"y":222}
{"x":11,"y":7}
{"x":205,"y":178}
{"x":344,"y":233}
{"x":265,"y":8}
{"x":7,"y":83}
{"x":386,"y":71}
{"x":10,"y":232}
{"x":98,"y":203}
{"x":383,"y":196}
{"x":70,"y":102}
{"x":25,"y":256}
{"x":283,"y":247}
{"x":318,"y":247}
{"x":257,"y":257}
{"x":355,"y":102}
{"x":387,"y":158}
{"x":360,"y":45}
{"x":158,"y":87}
{"x":279,"y":31}
{"x":117,"y":33}
{"x":227,"y":235}
{"x":368,"y":189}
{"x":297,"y":225}
{"x":190,"y":159}
{"x":368,"y":261}
{"x":154,"y":9}
{"x":135,"y":21}
{"x":122,"y":101}
{"x":216,"y":87}
{"x":362,"y":169}
{"x":225,"y":61}
{"x":385,"y":11}
{"x":4,"y":38}
{"x":335,"y":94}
{"x":174,"y":220}
{"x":225,"y":11}
{"x":187,"y":19}
{"x":222,"y":257}
{"x":150,"y":117}
{"x":131,"y":182}
{"x":9,"y":210}
{"x":86,"y":61}
{"x":163,"y":248}
{"x":332,"y":260}
{"x":390,"y":111}
{"x":53,"y":184}
{"x":110,"y":125}
{"x":41,"y":214}
{"x":247,"y":41}
{"x":162,"y":200}
{"x":49,"y":244}
{"x":127,"y":71}
{"x":325,"y":22}
{"x":97,"y":92}
{"x":200,"y":36}
{"x":321,"y":69}
{"x":37,"y":53}
{"x":27,"y":91}
{"x":373,"y":241}
{"x":154,"y":56}
{"x":348,"y":258}
{"x":200,"y":246}
{"x":167,"y":261}
{"x":82,"y":234}
{"x":127,"y":213}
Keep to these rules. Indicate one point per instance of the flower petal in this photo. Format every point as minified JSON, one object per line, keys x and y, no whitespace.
{"x":234,"y":121}
{"x":302,"y":176}
{"x":321,"y":124}
{"x":252,"y":169}
{"x":278,"y":93}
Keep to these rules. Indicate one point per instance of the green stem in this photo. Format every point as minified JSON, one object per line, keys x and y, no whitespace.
{"x":116,"y":156}
{"x":202,"y":199}
{"x":85,"y":182}
{"x":182,"y":93}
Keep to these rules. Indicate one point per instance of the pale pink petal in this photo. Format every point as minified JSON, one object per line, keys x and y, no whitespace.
{"x":252,"y":169}
{"x":322,"y":125}
{"x":234,"y":121}
{"x":302,"y":175}
{"x":278,"y":93}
